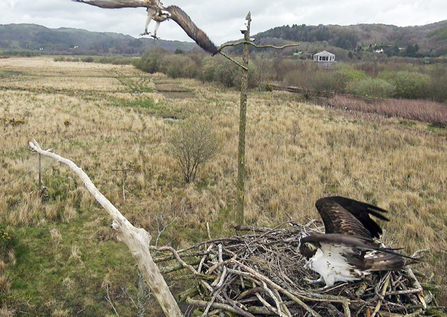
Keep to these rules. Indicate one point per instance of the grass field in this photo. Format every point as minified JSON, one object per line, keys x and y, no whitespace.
{"x":63,"y":259}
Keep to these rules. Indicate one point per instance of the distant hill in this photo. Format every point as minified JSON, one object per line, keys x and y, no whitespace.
{"x":413,"y":41}
{"x":428,"y":40}
{"x":36,"y":38}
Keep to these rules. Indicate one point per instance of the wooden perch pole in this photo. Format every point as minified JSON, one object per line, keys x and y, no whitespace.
{"x":241,"y":169}
{"x":242,"y":126}
{"x":136,"y":239}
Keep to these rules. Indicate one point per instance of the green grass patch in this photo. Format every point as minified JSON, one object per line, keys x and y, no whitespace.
{"x":437,"y":129}
{"x":71,"y":270}
{"x":153,"y":108}
{"x":145,"y":104}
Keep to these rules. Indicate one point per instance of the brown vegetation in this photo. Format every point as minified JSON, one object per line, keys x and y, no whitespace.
{"x":420,"y":110}
{"x":192,"y":144}
{"x":296,"y":153}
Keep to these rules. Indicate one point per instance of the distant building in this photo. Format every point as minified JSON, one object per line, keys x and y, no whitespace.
{"x":324,"y":59}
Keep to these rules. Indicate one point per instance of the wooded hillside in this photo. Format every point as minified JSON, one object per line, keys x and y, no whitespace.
{"x":431,"y":39}
{"x":416,"y":41}
{"x":42,"y":40}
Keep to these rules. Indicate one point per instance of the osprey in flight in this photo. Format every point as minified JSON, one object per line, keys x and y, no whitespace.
{"x":157,"y":12}
{"x":347,"y":251}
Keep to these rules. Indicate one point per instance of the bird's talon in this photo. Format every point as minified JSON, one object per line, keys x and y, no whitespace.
{"x":312,"y":282}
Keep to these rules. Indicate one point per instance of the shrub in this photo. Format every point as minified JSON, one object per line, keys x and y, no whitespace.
{"x":178,"y":65}
{"x":87,"y":59}
{"x":151,"y":61}
{"x":411,"y":85}
{"x":262,"y":72}
{"x":408,"y":85}
{"x":221,"y":70}
{"x":208,"y":66}
{"x":437,"y":89}
{"x":371,"y":88}
{"x":316,"y":81}
{"x":237,"y":76}
{"x":388,"y":75}
{"x":192,"y":144}
{"x":115,"y":60}
{"x":346,"y":74}
{"x":284,"y":66}
{"x":371,"y":68}
{"x":308,"y":76}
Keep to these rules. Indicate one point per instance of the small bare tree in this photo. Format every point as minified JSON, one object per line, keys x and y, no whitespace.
{"x":193,"y":143}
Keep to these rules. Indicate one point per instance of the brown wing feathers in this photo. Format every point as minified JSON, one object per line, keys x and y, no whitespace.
{"x":176,"y":14}
{"x":347,"y":222}
{"x":374,"y":260}
{"x":116,"y":4}
{"x":185,"y":22}
{"x":348,"y":216}
{"x":362,"y":211}
{"x":349,"y":231}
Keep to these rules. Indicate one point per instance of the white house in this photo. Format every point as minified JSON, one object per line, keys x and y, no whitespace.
{"x":324,"y":59}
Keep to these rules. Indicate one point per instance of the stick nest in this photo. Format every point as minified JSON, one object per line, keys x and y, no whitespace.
{"x":261,"y":273}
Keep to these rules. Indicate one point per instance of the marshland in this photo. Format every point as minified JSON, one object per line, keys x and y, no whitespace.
{"x":58,"y":254}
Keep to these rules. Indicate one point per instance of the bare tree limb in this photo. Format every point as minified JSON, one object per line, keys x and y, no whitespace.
{"x":234,"y":61}
{"x":273,"y":46}
{"x":136,"y":239}
{"x":254,"y":45}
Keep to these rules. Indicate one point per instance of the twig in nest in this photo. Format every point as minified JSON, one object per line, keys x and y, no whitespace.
{"x":202,"y":303}
{"x":262,"y":273}
{"x":178,"y":258}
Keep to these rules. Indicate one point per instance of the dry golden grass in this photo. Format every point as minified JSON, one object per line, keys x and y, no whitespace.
{"x":296,"y":153}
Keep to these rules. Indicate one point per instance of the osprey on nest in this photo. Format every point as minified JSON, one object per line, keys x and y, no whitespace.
{"x":347,"y":251}
{"x":157,"y":12}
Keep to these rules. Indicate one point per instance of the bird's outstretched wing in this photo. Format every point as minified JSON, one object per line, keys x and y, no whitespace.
{"x":185,"y":22}
{"x":350,"y":217}
{"x":116,"y":4}
{"x":360,"y":243}
{"x":176,"y":14}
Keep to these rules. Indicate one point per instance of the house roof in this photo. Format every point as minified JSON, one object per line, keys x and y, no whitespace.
{"x":324,"y":53}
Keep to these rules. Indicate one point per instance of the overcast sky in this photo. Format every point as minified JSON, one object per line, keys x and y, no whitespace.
{"x":221,"y":19}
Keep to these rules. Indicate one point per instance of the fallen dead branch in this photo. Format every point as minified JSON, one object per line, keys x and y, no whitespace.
{"x":261,"y":272}
{"x":136,"y":239}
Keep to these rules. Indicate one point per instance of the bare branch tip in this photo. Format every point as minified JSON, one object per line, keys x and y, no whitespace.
{"x":34,"y":145}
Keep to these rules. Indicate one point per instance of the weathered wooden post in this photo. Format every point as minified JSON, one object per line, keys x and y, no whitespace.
{"x":245,"y":29}
{"x":124,"y":171}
